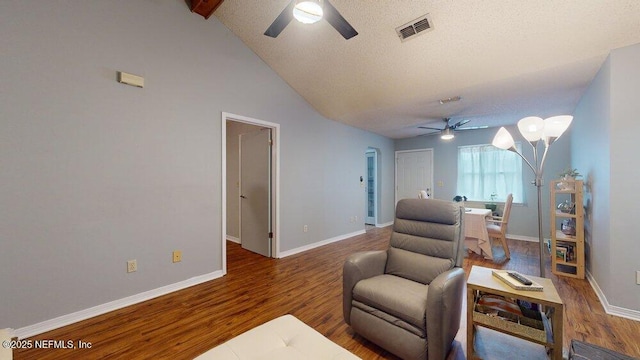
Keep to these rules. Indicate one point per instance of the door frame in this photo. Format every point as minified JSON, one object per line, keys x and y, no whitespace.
{"x":395,"y":190}
{"x":275,"y":181}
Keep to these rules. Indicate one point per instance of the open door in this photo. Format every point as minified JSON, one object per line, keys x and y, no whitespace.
{"x":255,"y":191}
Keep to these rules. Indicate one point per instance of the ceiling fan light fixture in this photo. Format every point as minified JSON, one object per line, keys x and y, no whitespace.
{"x":447,"y":134}
{"x":448,"y":100}
{"x":308,"y":12}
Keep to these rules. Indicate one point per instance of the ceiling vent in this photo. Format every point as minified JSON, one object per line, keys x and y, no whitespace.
{"x":414,"y":27}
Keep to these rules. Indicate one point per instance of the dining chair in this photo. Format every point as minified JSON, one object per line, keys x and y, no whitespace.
{"x":497,"y":226}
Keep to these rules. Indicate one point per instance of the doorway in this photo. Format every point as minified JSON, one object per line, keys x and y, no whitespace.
{"x":414,"y":172}
{"x":265,"y":162}
{"x":372,"y":187}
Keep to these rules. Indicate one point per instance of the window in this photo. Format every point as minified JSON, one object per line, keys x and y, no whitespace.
{"x":484,"y":170}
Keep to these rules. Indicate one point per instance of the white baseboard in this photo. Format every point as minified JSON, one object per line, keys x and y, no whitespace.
{"x":318,"y":244}
{"x":384,"y":224}
{"x":608,"y":308}
{"x":233,"y":239}
{"x":48,"y":325}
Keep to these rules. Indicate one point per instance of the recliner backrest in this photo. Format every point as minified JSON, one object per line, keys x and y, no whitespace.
{"x":427,"y":239}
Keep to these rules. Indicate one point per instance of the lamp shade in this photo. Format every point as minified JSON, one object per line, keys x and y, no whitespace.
{"x":307,"y":12}
{"x":531,"y":128}
{"x":556,"y":125}
{"x":447,"y":134}
{"x":503,"y":139}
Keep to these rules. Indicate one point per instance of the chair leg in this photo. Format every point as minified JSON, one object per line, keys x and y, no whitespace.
{"x":503,"y":240}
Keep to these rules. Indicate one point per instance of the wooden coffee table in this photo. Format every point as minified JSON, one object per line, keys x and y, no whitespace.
{"x":482,"y":280}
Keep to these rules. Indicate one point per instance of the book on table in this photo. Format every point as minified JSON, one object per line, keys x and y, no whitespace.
{"x":503,"y":275}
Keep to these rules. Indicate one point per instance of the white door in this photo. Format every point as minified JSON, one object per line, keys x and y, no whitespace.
{"x":372,"y":187}
{"x":255,"y":191}
{"x":414,"y":172}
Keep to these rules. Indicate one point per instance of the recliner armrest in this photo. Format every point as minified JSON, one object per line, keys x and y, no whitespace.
{"x":359,"y":266}
{"x":444,"y":310}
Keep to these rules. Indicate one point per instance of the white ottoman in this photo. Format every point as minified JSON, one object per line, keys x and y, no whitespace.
{"x":283,"y":338}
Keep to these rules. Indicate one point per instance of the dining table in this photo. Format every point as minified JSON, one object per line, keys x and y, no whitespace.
{"x":475,"y":231}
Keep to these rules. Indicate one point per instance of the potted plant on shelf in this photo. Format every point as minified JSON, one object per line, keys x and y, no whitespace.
{"x":568,"y":177}
{"x":569,"y":174}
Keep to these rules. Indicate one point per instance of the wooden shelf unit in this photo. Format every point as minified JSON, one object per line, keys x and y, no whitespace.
{"x":571,"y":190}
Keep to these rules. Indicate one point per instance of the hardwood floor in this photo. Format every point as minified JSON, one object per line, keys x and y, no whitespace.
{"x":186,"y":323}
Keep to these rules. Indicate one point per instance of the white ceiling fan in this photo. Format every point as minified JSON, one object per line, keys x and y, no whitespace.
{"x":309,"y":12}
{"x":447,"y":133}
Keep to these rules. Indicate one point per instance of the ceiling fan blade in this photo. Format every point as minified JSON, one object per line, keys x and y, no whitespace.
{"x":431,"y":133}
{"x":281,"y":21}
{"x":473,"y":128}
{"x":460,"y":123}
{"x":336,"y":20}
{"x":430,"y":128}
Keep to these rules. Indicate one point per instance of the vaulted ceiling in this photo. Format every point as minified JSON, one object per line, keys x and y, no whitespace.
{"x":505,"y":59}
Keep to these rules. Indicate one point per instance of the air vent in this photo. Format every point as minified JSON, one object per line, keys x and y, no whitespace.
{"x":414,"y":27}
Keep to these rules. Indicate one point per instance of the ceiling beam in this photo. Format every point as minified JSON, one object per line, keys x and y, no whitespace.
{"x":204,"y":7}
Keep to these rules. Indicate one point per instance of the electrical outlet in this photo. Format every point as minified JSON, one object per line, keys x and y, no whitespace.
{"x":351,"y":219}
{"x":305,"y":228}
{"x":177,"y":256}
{"x":356,"y":218}
{"x":132,"y":266}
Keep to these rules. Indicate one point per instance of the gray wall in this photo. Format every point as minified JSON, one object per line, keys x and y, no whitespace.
{"x":605,"y":147}
{"x":523,"y":221}
{"x":93,"y":172}
{"x":592,"y":125}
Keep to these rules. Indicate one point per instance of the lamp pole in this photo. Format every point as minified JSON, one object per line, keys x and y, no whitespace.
{"x":540,"y":237}
{"x":538,"y":183}
{"x":534,"y":129}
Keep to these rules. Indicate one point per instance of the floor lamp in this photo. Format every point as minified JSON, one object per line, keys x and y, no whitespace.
{"x":535,"y":130}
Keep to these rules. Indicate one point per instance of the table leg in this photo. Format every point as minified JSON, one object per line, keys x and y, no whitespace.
{"x":470,"y":328}
{"x":557,"y":320}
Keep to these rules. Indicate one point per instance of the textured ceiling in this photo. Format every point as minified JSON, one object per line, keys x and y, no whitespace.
{"x":506,"y":59}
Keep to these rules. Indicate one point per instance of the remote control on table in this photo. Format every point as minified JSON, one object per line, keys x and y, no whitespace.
{"x":520,"y":278}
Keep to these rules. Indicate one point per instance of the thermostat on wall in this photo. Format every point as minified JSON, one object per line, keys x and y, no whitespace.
{"x":130,"y":79}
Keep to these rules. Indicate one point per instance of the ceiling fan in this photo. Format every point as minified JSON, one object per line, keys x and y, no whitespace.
{"x":446,"y":133}
{"x":309,"y":12}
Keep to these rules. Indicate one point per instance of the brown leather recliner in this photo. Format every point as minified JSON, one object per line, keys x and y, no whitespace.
{"x":408,"y":298}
